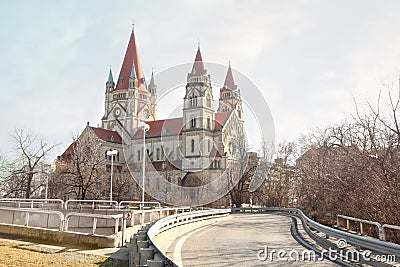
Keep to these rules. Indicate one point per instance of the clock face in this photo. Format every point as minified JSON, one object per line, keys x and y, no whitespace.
{"x":117,"y":112}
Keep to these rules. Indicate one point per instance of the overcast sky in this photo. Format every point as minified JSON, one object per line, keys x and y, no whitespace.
{"x":308,"y":58}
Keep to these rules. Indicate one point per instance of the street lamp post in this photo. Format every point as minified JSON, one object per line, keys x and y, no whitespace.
{"x":111,"y":153}
{"x":145,"y":127}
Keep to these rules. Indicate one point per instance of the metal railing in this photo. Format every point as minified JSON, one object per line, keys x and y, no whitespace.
{"x":361,"y":221}
{"x":95,"y":217}
{"x":151,"y":204}
{"x":353,"y":239}
{"x":35,"y":211}
{"x":388,"y":226}
{"x":94,"y":203}
{"x":39,"y":202}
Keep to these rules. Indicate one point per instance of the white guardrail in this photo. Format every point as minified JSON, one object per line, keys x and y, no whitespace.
{"x":32,"y":203}
{"x":78,"y":203}
{"x":353,"y":239}
{"x":180,"y":219}
{"x":24,"y":217}
{"x":82,"y":222}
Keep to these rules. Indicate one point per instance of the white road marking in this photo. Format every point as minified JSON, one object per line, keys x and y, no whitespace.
{"x":178,"y":247}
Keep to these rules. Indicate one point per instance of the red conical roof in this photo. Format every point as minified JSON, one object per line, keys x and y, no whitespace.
{"x":198,"y":66}
{"x":131,"y":59}
{"x":229,"y":82}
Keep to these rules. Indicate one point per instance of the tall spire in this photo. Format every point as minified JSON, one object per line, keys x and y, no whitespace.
{"x":152,"y":78}
{"x":110,"y":77}
{"x":229,"y":82}
{"x":131,"y":59}
{"x":198,"y":66}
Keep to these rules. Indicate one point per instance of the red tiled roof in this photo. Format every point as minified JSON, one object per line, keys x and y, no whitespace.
{"x":198,"y":66}
{"x":215,"y":153}
{"x":68,"y":152}
{"x":229,"y":82}
{"x":220,"y":119}
{"x":171,"y":127}
{"x":107,"y":135}
{"x":174,"y":126}
{"x":131,"y":58}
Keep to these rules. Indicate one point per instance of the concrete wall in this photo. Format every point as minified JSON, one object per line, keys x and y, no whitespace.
{"x":54,"y":236}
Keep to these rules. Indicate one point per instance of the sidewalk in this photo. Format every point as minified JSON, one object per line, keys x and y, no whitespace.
{"x":22,"y":252}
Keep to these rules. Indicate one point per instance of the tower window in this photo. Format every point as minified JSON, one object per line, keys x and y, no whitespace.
{"x":208,"y":123}
{"x":193,"y":123}
{"x":192,"y":146}
{"x":158,"y":155}
{"x":138,"y":155}
{"x":193,"y":100}
{"x":209,"y":145}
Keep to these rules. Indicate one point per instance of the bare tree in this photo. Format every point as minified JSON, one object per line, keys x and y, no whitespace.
{"x":124,"y":185}
{"x":27,"y":172}
{"x":84,"y":172}
{"x":278,"y":187}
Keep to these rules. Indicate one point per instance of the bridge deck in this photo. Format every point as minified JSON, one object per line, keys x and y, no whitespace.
{"x":234,"y":241}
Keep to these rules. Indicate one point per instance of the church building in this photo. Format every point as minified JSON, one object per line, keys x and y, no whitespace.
{"x":189,"y":151}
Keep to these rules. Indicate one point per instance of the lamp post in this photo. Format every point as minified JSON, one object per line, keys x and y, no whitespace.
{"x":145,"y":127}
{"x":111,"y":153}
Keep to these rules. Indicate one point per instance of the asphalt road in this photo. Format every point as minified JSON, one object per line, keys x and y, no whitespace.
{"x":236,"y":240}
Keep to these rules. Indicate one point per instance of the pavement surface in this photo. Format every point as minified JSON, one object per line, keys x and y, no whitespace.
{"x":236,"y":240}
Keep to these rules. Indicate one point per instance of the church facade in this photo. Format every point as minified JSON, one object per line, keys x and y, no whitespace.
{"x":188,"y":151}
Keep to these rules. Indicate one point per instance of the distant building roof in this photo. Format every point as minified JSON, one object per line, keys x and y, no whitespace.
{"x":220,"y":119}
{"x":107,"y":135}
{"x":170,"y":127}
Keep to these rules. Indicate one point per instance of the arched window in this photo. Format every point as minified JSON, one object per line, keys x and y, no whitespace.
{"x":138,"y":155}
{"x":208,"y":123}
{"x":193,"y":123}
{"x":192,"y":145}
{"x":192,"y":100}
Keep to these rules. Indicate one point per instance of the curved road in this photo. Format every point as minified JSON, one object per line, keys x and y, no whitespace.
{"x":236,"y":240}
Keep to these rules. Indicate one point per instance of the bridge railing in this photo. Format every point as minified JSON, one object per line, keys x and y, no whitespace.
{"x":26,"y":217}
{"x":32,"y":203}
{"x":348,"y":219}
{"x":162,"y":225}
{"x":94,"y":217}
{"x":94,"y":203}
{"x":149,"y":204}
{"x":353,"y":239}
{"x":388,"y":226}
